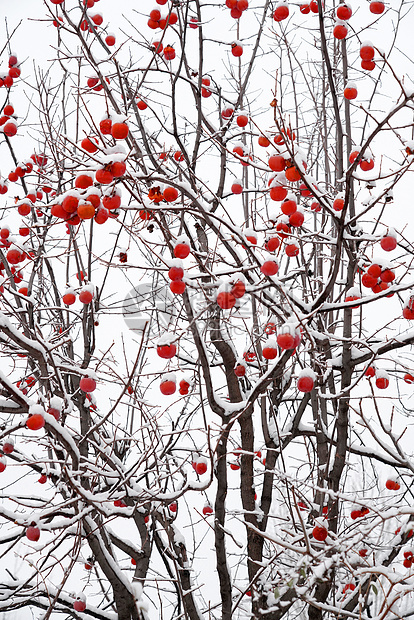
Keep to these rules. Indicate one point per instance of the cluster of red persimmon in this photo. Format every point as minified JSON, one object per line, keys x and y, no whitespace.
{"x":199,"y":465}
{"x":36,"y":419}
{"x":33,"y":534}
{"x":379,"y":275}
{"x":25,"y":384}
{"x":168,"y":51}
{"x":23,"y":168}
{"x":292,"y":215}
{"x":7,"y":448}
{"x":320,"y":531}
{"x":23,"y":206}
{"x":408,"y":310}
{"x":288,"y":173}
{"x":288,"y":339}
{"x":176,"y":274}
{"x":92,"y":198}
{"x":17,"y":255}
{"x":382,"y":379}
{"x":340,"y":31}
{"x":281,"y":188}
{"x":357,"y":513}
{"x":205,"y":91}
{"x":168,"y":385}
{"x":162,"y":21}
{"x":365,"y":162}
{"x":7,"y":122}
{"x":9,"y":125}
{"x":156,"y":20}
{"x":229,"y":292}
{"x":408,"y":559}
{"x":344,"y":11}
{"x":167,"y":194}
{"x":94,"y":82}
{"x":7,"y":79}
{"x":167,"y":349}
{"x":289,"y":335}
{"x":85,"y":295}
{"x":90,"y":22}
{"x":237,"y":7}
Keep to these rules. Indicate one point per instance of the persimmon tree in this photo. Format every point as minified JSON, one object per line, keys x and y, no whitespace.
{"x":206,"y":313}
